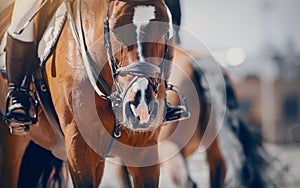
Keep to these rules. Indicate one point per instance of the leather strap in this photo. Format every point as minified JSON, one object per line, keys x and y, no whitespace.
{"x":77,"y":32}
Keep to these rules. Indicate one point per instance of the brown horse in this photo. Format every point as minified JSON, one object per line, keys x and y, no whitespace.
{"x":135,"y":74}
{"x":247,"y":162}
{"x":69,"y":94}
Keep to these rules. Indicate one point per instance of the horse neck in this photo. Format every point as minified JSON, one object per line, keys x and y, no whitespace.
{"x":93,"y":14}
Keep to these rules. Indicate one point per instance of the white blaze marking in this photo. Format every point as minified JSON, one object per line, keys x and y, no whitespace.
{"x":141,"y":17}
{"x":142,"y":109}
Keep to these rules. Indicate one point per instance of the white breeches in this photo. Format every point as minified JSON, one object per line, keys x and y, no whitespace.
{"x":23,"y":10}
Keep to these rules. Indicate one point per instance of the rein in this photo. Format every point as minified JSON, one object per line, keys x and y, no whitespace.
{"x":77,"y":32}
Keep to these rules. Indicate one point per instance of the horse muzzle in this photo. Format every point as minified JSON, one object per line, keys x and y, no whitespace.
{"x":142,"y":118}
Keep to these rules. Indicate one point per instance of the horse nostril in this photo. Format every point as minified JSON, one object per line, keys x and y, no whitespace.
{"x":137,"y":98}
{"x":141,"y":112}
{"x":149,"y":95}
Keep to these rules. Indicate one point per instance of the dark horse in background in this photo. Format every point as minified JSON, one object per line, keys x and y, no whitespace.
{"x":249,"y":162}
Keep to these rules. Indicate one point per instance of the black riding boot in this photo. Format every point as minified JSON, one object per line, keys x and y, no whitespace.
{"x":19,"y":57}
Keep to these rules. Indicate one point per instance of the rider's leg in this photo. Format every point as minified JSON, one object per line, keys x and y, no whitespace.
{"x":20,"y":51}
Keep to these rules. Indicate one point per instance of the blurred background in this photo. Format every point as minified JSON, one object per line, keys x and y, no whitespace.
{"x":258,"y":41}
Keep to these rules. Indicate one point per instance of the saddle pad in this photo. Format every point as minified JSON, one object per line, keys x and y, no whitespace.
{"x":52,"y":33}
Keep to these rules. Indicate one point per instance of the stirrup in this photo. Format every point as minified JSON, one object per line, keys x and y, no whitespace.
{"x":17,"y":113}
{"x":176,"y":113}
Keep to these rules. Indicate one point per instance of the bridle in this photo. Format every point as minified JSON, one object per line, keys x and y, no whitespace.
{"x":145,"y":70}
{"x":137,"y":69}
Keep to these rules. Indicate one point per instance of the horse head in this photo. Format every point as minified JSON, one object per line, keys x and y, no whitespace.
{"x":137,"y":37}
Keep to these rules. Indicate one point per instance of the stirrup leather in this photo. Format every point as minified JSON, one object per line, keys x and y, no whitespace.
{"x":17,"y":112}
{"x":176,"y":113}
